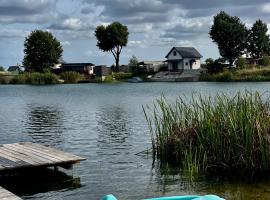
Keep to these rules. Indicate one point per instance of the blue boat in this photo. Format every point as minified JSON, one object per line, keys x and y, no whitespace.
{"x":206,"y":197}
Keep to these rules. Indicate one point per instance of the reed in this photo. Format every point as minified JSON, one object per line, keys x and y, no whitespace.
{"x":207,"y":134}
{"x":35,"y":79}
{"x":71,"y":77}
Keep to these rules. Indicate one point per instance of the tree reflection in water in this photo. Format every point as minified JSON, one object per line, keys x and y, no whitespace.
{"x":112,"y":125}
{"x":44,"y":124}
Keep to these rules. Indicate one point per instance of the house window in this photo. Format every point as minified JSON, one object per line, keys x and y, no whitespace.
{"x":186,"y":63}
{"x":174,"y":53}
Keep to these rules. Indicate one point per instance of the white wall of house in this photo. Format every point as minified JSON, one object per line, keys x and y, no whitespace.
{"x":171,"y":56}
{"x":195,"y":65}
{"x":183,"y":63}
{"x":89,"y":69}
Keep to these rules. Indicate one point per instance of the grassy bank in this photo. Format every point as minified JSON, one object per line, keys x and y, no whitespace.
{"x":247,"y":74}
{"x":118,"y":77}
{"x":219,"y":134}
{"x":35,"y":79}
{"x":71,"y":77}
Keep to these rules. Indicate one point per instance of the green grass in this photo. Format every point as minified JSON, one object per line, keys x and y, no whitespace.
{"x":118,"y":77}
{"x":247,"y":74}
{"x":212,"y":134}
{"x":71,"y":77}
{"x":35,"y":79}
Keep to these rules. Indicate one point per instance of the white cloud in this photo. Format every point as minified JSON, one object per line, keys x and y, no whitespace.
{"x":266,"y":8}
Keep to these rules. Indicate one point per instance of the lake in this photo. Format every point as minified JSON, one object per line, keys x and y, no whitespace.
{"x":105,"y":124}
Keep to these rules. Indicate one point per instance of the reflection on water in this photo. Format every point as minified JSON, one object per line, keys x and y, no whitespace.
{"x":44,"y":124}
{"x":105,"y":124}
{"x":112,"y":125}
{"x":30,"y":182}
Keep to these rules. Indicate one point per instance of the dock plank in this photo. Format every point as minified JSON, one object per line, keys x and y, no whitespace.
{"x":54,"y":151}
{"x":7,"y":195}
{"x":27,"y":154}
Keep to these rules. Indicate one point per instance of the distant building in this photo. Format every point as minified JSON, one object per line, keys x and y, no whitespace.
{"x":83,"y":68}
{"x":182,"y":58}
{"x":125,"y":68}
{"x":150,"y":66}
{"x":15,"y":69}
{"x":101,"y":71}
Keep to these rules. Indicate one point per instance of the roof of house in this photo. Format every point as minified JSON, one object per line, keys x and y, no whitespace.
{"x":151,"y":62}
{"x":186,"y":52}
{"x":14,"y":68}
{"x":76,"y":64}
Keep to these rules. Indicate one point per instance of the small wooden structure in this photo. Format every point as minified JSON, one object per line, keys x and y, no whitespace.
{"x":7,"y":195}
{"x":25,"y":155}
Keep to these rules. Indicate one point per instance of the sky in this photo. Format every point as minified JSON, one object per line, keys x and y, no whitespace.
{"x":155,"y":26}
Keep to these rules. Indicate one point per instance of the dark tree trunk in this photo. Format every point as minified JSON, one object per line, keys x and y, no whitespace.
{"x":117,"y":63}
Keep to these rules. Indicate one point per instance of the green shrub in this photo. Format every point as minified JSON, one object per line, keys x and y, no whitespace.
{"x":35,"y":78}
{"x":222,"y":134}
{"x":224,"y":76}
{"x":19,"y":79}
{"x":122,"y":75}
{"x":71,"y":77}
{"x":109,"y":79}
{"x":242,"y":62}
{"x":265,"y":61}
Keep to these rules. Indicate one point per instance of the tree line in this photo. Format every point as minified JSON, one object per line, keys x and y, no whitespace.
{"x":42,"y":50}
{"x":234,"y":39}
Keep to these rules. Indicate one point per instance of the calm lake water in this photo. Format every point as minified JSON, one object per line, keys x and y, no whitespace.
{"x":105,"y":124}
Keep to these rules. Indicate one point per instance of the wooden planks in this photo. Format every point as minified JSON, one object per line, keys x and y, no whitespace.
{"x":27,"y":154}
{"x":6,"y":195}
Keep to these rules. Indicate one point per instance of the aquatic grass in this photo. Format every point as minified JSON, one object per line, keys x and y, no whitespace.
{"x":205,"y":134}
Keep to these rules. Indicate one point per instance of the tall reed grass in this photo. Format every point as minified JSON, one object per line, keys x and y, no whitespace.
{"x":207,"y":134}
{"x":35,"y":79}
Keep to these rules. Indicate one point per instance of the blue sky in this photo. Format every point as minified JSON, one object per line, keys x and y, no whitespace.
{"x":154,"y":25}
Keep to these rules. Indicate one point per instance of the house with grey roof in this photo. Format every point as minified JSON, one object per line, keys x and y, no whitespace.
{"x":183,"y":58}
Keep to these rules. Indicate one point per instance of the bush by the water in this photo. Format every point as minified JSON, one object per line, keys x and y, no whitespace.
{"x":71,"y":77}
{"x":116,"y":77}
{"x":35,"y":78}
{"x":122,"y":75}
{"x":246,"y":74}
{"x":265,"y":61}
{"x":221,"y":134}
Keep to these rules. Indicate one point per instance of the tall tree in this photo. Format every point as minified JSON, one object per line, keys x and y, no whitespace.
{"x":42,"y":50}
{"x":112,"y":38}
{"x":230,"y":34}
{"x":258,"y":40}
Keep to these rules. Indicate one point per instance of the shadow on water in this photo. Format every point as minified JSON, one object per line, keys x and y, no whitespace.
{"x":44,"y":124}
{"x":30,"y":182}
{"x":172,"y":180}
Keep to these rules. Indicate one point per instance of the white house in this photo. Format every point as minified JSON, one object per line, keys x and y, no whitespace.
{"x":183,"y":58}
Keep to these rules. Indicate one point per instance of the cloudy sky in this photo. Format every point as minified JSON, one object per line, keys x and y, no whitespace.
{"x":154,"y":25}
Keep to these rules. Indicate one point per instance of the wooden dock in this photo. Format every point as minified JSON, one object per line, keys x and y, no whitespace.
{"x":31,"y":155}
{"x":7,"y":195}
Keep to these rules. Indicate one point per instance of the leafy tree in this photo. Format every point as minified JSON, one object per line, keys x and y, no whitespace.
{"x":209,"y":61}
{"x":133,"y":61}
{"x":258,"y":40}
{"x":112,"y":38}
{"x":265,"y":61}
{"x":230,"y":34}
{"x":2,"y":69}
{"x":42,"y":50}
